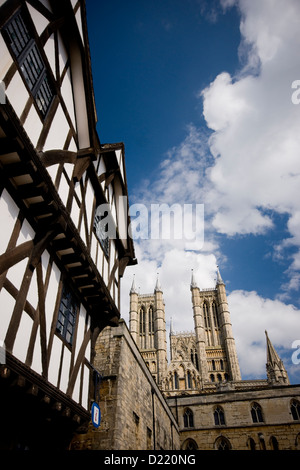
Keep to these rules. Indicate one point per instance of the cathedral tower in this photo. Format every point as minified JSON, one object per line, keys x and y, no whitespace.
{"x":216,"y":349}
{"x":147,"y":326}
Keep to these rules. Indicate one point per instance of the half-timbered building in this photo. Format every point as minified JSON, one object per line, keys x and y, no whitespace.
{"x":60,"y":266}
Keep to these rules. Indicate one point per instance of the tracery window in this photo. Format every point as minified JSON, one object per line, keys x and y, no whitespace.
{"x":206,"y":315}
{"x":188,"y":418}
{"x":142,"y":320}
{"x":219,"y":416}
{"x":256,"y":413}
{"x":151,"y":320}
{"x":189,"y":379}
{"x":215,"y":315}
{"x":222,"y":443}
{"x":295,"y":409}
{"x":176,"y":381}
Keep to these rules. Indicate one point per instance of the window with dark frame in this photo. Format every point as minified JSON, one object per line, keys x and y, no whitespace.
{"x":256,"y":413}
{"x":295,"y":410}
{"x":188,"y":418}
{"x":67,"y":314}
{"x":22,"y":44}
{"x":219,"y":416}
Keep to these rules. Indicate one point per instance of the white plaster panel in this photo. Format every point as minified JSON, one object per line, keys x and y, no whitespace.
{"x":52,"y":170}
{"x":76,"y":390}
{"x":65,"y":370}
{"x":49,"y":49}
{"x":5,"y":58}
{"x":63,"y":189}
{"x":39,"y":20}
{"x":17,"y":94}
{"x":8,"y":212}
{"x":32,"y":295}
{"x":75,"y":211}
{"x":69,"y":167}
{"x":22,"y":338}
{"x":105,"y":271}
{"x":80,"y":329}
{"x":16,"y":273}
{"x":102,"y":167}
{"x":58,"y":131}
{"x":100,"y":259}
{"x":94,"y":244}
{"x":54,"y":360}
{"x":62,"y":54}
{"x":79,"y":22}
{"x":82,"y":232}
{"x":73,"y":146}
{"x":37,"y":354}
{"x":26,"y":234}
{"x":33,"y":125}
{"x":67,"y":94}
{"x":89,"y":199}
{"x":45,"y":261}
{"x":7,"y":303}
{"x":51,"y":296}
{"x":85,"y":391}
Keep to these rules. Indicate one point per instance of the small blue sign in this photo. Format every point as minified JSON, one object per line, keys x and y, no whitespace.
{"x":96,"y":415}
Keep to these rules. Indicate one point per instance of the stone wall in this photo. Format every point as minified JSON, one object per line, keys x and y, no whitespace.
{"x":134,"y":413}
{"x":239,"y":427}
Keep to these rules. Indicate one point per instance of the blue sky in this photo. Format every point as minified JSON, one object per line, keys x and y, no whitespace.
{"x":200,"y":94}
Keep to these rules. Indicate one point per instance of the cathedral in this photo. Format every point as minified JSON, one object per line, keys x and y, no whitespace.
{"x":202,"y":383}
{"x":199,"y":361}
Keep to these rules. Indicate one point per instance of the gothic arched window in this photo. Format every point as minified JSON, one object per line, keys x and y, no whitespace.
{"x":295,"y":409}
{"x":142,"y":320}
{"x":189,"y":444}
{"x":256,"y":413}
{"x":206,"y":315}
{"x":151,"y":320}
{"x":251,"y":443}
{"x":189,"y":379}
{"x":188,"y":418}
{"x":215,"y":315}
{"x":222,"y":443}
{"x":274,"y":443}
{"x":212,"y":377}
{"x":176,"y":381}
{"x":219,"y":416}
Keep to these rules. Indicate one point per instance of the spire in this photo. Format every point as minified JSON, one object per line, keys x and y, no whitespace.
{"x":219,"y":278}
{"x":276,"y":372}
{"x":193,"y":281}
{"x":157,"y":286}
{"x":133,"y":289}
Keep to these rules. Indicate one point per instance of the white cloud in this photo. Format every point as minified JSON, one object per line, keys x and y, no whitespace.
{"x":255,"y":139}
{"x":251,"y":315}
{"x":248,"y":168}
